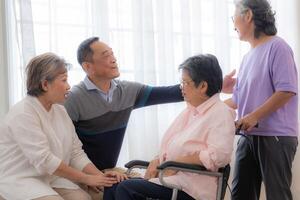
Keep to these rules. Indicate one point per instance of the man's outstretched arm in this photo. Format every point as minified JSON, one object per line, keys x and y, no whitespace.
{"x":158,"y":95}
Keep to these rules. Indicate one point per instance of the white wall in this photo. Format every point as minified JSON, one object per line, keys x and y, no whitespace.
{"x":296,"y":164}
{"x":3,"y":61}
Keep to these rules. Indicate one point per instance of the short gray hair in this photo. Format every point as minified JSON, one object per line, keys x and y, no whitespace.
{"x":46,"y":66}
{"x":204,"y":67}
{"x":263,"y":15}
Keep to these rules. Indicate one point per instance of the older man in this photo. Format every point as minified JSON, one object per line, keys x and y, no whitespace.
{"x":100,"y":106}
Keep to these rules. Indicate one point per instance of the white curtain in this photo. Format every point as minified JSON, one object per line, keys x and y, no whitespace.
{"x":3,"y":63}
{"x":165,"y":33}
{"x":19,"y":45}
{"x":150,"y":39}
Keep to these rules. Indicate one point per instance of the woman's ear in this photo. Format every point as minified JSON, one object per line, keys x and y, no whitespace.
{"x":248,"y":15}
{"x":203,"y":87}
{"x":45,"y":85}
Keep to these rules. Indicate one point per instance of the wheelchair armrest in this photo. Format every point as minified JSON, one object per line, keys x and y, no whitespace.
{"x":137,"y":164}
{"x":223,"y":173}
{"x":194,"y":168}
{"x":169,"y":164}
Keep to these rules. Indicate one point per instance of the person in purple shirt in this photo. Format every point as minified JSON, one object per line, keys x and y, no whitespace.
{"x":265,"y":93}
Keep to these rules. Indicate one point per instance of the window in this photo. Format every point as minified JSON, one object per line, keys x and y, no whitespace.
{"x":178,"y":29}
{"x":150,"y":38}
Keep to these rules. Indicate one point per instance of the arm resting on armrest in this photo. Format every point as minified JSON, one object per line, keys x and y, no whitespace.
{"x":194,"y":168}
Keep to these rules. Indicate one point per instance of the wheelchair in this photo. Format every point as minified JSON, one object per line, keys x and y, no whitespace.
{"x":222,"y":174}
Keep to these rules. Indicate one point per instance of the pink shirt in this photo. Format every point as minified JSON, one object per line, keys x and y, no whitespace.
{"x":207,"y":130}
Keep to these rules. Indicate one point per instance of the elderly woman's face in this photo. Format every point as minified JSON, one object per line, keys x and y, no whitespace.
{"x":241,"y":22}
{"x":58,"y":89}
{"x":192,"y":94}
{"x":187,"y":87}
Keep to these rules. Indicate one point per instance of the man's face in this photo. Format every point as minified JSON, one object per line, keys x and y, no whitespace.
{"x":104,"y":64}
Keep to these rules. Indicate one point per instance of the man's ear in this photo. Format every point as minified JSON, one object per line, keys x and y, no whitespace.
{"x":85,"y":66}
{"x":88,"y":68}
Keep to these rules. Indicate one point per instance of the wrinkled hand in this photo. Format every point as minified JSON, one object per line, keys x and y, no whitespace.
{"x":98,"y":181}
{"x":247,"y":122}
{"x":151,"y":171}
{"x":229,"y":82}
{"x":117,"y":175}
{"x":169,"y":172}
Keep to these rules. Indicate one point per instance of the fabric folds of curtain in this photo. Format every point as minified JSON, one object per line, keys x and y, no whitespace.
{"x":20,"y":45}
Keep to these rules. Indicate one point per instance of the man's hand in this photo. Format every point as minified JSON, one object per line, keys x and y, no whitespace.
{"x":151,"y":171}
{"x":229,"y":82}
{"x":117,"y":175}
{"x":247,"y":122}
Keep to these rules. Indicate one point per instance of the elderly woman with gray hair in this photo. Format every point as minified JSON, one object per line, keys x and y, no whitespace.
{"x":41,"y":156}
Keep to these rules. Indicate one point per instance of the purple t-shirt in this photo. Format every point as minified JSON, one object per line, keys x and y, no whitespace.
{"x":268,"y":68}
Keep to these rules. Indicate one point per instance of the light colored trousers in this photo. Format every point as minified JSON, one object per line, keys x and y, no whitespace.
{"x":84,"y":193}
{"x":65,"y":194}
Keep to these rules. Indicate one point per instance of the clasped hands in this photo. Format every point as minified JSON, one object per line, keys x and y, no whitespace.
{"x":107,"y":179}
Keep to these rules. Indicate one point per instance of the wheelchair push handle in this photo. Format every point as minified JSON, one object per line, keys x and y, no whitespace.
{"x":238,"y":129}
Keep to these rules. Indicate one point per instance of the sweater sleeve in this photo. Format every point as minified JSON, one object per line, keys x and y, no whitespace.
{"x":78,"y":157}
{"x":29,"y":135}
{"x":158,"y":95}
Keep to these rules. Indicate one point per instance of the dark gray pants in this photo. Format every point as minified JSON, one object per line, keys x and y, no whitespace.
{"x":268,"y":159}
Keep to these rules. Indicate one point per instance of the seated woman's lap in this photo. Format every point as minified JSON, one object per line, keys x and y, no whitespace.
{"x":51,"y":197}
{"x":67,"y":194}
{"x":140,"y":189}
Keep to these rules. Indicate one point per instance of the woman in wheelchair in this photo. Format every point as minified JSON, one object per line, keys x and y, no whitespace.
{"x":203,"y":133}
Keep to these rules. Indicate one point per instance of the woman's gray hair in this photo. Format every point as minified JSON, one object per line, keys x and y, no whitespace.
{"x":204,"y":67}
{"x":46,"y":66}
{"x":263,"y":15}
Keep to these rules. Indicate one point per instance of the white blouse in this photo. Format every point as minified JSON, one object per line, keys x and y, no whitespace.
{"x":33,"y":143}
